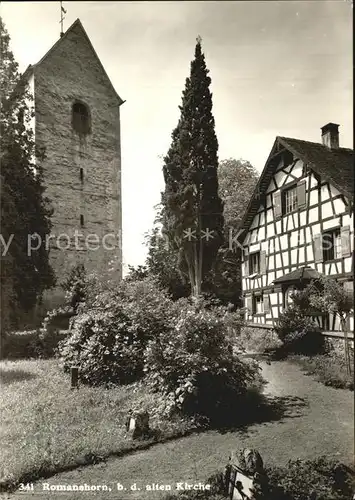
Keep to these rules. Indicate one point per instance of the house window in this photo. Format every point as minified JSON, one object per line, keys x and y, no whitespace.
{"x":258,"y":304}
{"x":331,"y":243}
{"x":81,"y":175}
{"x":81,"y":118}
{"x":254,"y":263}
{"x":290,"y":200}
{"x":81,"y":220}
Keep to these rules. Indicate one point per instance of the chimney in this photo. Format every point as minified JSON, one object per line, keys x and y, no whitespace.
{"x":330,"y":135}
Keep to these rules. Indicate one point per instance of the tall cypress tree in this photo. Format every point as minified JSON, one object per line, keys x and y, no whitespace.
{"x":24,"y":208}
{"x":193,"y":210}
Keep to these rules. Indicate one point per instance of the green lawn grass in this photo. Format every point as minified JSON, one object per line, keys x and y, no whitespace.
{"x":47,"y":427}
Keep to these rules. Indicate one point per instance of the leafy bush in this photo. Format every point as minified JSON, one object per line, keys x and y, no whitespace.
{"x":75,"y":286}
{"x":110,"y":335}
{"x":194,"y":365}
{"x":259,"y":340}
{"x":329,"y":369}
{"x":319,"y":479}
{"x":58,"y":319}
{"x":30,"y":344}
{"x":299,"y":333}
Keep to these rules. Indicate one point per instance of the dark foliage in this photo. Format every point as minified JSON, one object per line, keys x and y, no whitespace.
{"x":75,"y":287}
{"x":191,"y":201}
{"x":24,"y":209}
{"x":299,"y":333}
{"x":320,"y":479}
{"x":31,"y":344}
{"x":162,"y":263}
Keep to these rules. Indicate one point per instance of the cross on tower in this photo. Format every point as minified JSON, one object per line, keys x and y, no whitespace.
{"x":62,"y":12}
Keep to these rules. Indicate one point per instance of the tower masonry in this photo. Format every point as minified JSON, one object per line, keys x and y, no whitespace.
{"x":77,"y":122}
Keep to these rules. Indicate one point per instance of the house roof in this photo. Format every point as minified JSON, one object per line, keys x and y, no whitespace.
{"x":334,"y":165}
{"x":305,"y":273}
{"x":30,"y":69}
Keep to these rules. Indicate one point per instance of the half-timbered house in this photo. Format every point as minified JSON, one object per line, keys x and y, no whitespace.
{"x":298,"y":225}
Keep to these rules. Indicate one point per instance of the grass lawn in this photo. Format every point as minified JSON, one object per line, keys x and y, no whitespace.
{"x":47,"y":427}
{"x":316,"y":420}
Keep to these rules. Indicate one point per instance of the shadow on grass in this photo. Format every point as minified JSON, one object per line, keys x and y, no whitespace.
{"x":16,"y":375}
{"x":261,"y":409}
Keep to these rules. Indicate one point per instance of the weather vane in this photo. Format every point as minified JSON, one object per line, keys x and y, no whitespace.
{"x":62,"y":12}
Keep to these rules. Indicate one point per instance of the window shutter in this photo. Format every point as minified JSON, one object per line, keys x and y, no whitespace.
{"x":249,"y":304}
{"x":349,"y":287}
{"x":246,"y":267}
{"x":301,"y":194}
{"x":263,"y":262}
{"x":277,"y":205}
{"x":345,"y":241}
{"x":266,"y":303}
{"x":318,"y":248}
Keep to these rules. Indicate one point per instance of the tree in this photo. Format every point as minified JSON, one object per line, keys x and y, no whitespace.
{"x":332,"y":297}
{"x":161,"y":263}
{"x":193,"y":210}
{"x":138,"y":273}
{"x":162,"y":260}
{"x":75,"y":286}
{"x":24,"y":209}
{"x":237,"y":180}
{"x":224,"y":279}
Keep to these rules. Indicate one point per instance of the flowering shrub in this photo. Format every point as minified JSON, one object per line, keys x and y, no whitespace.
{"x":110,"y":335}
{"x":183,"y":349}
{"x":193,"y":364}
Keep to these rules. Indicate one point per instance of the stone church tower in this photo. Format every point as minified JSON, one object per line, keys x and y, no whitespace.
{"x":77,"y":120}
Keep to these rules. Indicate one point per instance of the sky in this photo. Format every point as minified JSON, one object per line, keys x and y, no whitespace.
{"x":277,"y":68}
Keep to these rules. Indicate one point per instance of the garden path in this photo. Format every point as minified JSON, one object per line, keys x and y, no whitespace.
{"x":318,"y":420}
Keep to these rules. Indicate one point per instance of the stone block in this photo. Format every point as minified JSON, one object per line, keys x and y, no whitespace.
{"x":137,"y":424}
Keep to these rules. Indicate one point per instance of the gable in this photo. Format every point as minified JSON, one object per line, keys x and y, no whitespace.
{"x":288,"y":161}
{"x":333,"y":165}
{"x":65,"y":51}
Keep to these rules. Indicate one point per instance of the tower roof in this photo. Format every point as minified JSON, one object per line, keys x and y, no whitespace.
{"x":30,"y":69}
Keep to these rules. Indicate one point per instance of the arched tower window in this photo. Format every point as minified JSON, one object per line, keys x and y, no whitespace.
{"x":81,"y":119}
